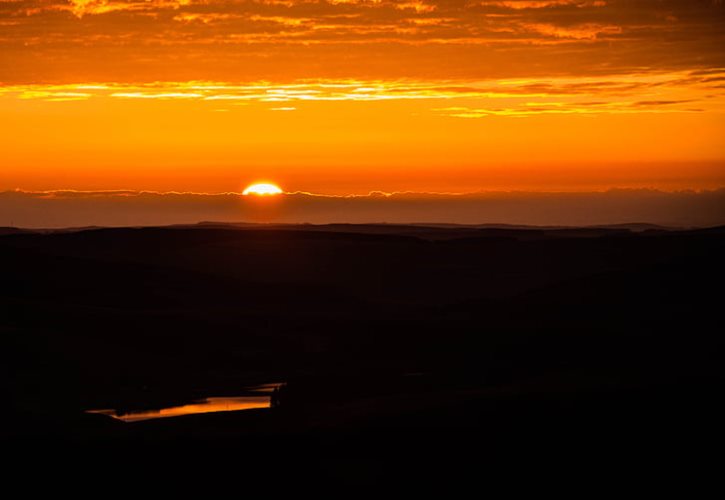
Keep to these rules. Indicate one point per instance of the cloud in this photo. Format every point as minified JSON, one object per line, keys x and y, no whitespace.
{"x":357,"y":38}
{"x":585,"y":31}
{"x":644,"y":93}
{"x":128,"y":208}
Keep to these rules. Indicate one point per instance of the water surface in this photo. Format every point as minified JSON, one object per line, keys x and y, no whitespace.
{"x":259,"y":397}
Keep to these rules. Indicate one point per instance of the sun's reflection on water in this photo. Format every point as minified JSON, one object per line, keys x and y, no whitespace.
{"x":259,"y":398}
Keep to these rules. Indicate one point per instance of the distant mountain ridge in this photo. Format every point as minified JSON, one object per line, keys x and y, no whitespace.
{"x":422,"y":230}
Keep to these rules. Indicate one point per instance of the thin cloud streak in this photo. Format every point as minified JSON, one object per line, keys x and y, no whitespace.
{"x":668,"y":92}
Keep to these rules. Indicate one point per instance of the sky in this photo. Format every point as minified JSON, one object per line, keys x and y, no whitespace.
{"x":345,"y":97}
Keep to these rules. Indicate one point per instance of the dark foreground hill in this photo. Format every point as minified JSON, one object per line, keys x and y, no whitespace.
{"x":414,"y":355}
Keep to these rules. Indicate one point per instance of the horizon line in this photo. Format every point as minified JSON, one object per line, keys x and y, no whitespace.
{"x":429,"y":225}
{"x":369,"y":194}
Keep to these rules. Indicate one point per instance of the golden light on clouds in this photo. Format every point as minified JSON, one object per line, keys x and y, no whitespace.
{"x":685,"y":91}
{"x":349,"y":96}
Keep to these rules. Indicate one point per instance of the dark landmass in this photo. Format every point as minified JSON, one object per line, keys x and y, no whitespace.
{"x":583,"y":359}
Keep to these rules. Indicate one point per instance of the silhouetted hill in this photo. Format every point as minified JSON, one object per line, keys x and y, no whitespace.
{"x":12,"y":230}
{"x":638,"y":226}
{"x":601,"y":342}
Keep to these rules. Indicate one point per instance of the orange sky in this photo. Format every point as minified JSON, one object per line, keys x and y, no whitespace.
{"x":348,"y":96}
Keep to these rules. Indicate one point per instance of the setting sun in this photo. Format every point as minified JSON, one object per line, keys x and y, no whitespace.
{"x":262,"y":190}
